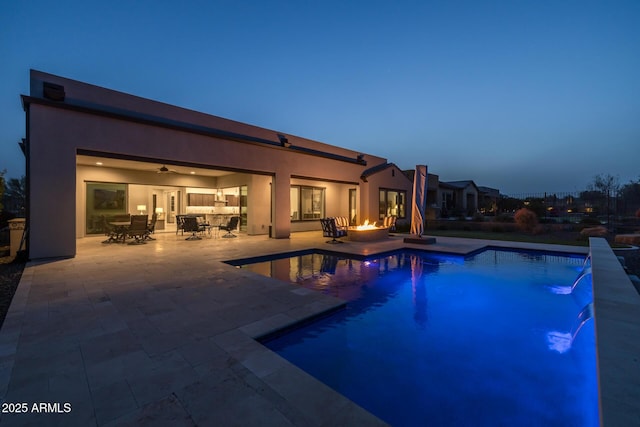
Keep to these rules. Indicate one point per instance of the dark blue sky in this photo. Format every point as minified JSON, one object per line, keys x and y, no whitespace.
{"x":521,"y":96}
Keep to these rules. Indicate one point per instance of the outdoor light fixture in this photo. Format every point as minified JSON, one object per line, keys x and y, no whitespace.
{"x":360,"y":158}
{"x":142,"y":208}
{"x":284,"y":141}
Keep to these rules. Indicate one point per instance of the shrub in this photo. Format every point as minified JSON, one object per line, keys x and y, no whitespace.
{"x":526,"y":220}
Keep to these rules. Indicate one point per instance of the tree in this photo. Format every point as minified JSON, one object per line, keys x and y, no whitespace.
{"x":15,"y":193}
{"x":630,"y":197}
{"x":536,"y":205}
{"x":508,"y":204}
{"x":607,"y":185}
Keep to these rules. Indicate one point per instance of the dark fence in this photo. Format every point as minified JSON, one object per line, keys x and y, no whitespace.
{"x":572,"y":206}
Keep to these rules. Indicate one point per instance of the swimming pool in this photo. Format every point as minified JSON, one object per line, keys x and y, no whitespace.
{"x":447,"y":340}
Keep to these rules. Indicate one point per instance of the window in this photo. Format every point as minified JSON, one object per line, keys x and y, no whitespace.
{"x":103,"y":201}
{"x":393,"y":202}
{"x":295,"y":203}
{"x":307,"y":203}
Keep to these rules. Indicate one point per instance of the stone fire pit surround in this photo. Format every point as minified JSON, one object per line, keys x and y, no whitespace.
{"x":367,"y":235}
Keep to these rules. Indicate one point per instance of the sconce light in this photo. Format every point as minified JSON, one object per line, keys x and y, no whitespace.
{"x":284,"y":141}
{"x":142,"y":208}
{"x":360,"y":158}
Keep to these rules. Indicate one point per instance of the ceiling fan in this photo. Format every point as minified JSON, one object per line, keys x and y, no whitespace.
{"x":165,"y":169}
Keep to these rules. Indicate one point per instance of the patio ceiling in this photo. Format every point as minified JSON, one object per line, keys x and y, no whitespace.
{"x":151,"y":167}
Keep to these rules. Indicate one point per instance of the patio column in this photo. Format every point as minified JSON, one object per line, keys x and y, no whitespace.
{"x":51,"y":219}
{"x":281,"y":196}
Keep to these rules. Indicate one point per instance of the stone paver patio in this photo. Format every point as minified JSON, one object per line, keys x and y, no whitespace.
{"x":163,"y":334}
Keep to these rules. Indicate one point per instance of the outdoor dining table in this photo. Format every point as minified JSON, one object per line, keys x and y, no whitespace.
{"x":120,"y":230}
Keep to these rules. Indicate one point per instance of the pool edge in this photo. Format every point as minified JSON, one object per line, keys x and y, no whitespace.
{"x":617,"y":328}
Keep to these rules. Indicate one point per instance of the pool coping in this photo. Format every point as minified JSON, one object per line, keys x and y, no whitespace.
{"x":617,"y":327}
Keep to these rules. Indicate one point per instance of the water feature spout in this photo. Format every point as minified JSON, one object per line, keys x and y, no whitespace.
{"x":584,"y":273}
{"x":585,"y":314}
{"x":562,"y":341}
{"x":566,"y":290}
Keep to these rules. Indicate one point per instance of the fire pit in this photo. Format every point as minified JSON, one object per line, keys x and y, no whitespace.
{"x":367,"y":232}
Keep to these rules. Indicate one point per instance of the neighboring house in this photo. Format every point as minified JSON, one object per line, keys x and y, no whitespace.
{"x":93,"y":153}
{"x":433,"y":207}
{"x":458,"y":198}
{"x":488,"y":200}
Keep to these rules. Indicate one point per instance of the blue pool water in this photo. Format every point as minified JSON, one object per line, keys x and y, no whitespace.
{"x":494,"y":339}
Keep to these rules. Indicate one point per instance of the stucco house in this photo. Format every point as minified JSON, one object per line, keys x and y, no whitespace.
{"x":458,"y":197}
{"x":488,"y":199}
{"x":92,"y":152}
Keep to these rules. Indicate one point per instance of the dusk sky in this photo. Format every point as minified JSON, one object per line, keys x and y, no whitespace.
{"x":523,"y":96}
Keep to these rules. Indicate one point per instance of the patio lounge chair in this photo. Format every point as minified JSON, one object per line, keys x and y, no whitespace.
{"x":390,"y":222}
{"x":138,"y":228}
{"x":330,"y":229}
{"x":190,"y":225}
{"x":151,"y":228}
{"x":180,"y":224}
{"x":231,"y":225}
{"x":342,"y":223}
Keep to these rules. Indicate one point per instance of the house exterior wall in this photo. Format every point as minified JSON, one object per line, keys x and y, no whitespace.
{"x":57,"y":130}
{"x":446,"y":193}
{"x":390,"y":178}
{"x":469,"y":199}
{"x":336,"y":202}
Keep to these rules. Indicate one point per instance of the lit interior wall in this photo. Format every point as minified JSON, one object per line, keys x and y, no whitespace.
{"x":140,"y":188}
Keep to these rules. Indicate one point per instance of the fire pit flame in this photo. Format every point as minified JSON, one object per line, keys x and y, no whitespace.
{"x":367,"y":226}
